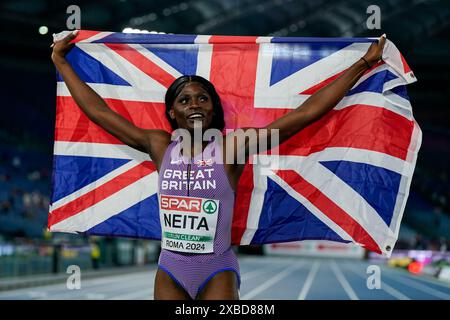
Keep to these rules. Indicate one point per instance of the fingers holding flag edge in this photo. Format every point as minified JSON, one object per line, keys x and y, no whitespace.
{"x":64,"y":36}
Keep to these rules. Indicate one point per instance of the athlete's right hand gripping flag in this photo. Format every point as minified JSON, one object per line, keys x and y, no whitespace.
{"x":344,"y":178}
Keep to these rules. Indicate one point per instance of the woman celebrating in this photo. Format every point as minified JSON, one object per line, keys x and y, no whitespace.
{"x":205,"y":268}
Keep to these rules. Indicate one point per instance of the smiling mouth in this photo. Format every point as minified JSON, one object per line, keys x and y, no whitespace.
{"x":196,"y":116}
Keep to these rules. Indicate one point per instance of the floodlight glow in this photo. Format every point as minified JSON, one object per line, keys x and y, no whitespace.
{"x":43,"y":30}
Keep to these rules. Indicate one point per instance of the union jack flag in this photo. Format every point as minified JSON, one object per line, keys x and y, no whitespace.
{"x":344,"y":178}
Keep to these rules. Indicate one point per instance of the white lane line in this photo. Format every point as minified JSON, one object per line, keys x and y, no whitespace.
{"x":393,"y":292}
{"x":95,"y":296}
{"x":264,"y":261}
{"x":146,"y":293}
{"x":309,"y":281}
{"x":423,"y":288}
{"x":417,"y":282}
{"x":272,"y":281}
{"x":343,"y":281}
{"x":60,"y":291}
{"x":37,"y":294}
{"x":422,"y":278}
{"x":101,"y":285}
{"x":26,"y":291}
{"x":252,"y":274}
{"x":385,"y":287}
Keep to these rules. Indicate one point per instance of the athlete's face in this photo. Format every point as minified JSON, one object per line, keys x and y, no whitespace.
{"x":193,"y":106}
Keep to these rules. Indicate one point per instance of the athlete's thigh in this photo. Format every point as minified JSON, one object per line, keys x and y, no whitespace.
{"x":223,"y":286}
{"x":167,"y":289}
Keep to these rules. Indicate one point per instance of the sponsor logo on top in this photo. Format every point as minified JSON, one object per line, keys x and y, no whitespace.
{"x":174,"y":203}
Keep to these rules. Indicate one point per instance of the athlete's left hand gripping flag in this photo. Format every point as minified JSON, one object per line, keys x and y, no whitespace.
{"x":345,"y":178}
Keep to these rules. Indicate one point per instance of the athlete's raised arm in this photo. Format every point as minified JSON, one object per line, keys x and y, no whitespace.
{"x":316,"y":106}
{"x":328,"y":97}
{"x":153,"y":142}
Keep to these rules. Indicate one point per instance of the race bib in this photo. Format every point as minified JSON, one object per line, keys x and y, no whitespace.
{"x":188,"y":224}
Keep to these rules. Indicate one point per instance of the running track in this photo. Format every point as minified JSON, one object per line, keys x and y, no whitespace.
{"x":270,"y":278}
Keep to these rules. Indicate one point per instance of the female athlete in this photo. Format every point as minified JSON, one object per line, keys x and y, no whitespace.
{"x":197,"y":261}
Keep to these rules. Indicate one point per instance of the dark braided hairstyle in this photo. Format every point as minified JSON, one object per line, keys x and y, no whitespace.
{"x":174,"y":90}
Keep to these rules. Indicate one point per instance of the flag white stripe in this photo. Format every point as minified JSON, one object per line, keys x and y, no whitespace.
{"x":202,"y":39}
{"x":399,"y":101}
{"x":110,"y":91}
{"x":313,"y":209}
{"x":387,"y":100}
{"x":122,"y":67}
{"x":96,"y":37}
{"x":111,"y":206}
{"x":157,"y":60}
{"x":364,"y":77}
{"x":204,"y":60}
{"x":99,"y":150}
{"x":284,"y":94}
{"x":324,"y":68}
{"x":93,"y":185}
{"x":348,"y":200}
{"x":256,"y":205}
{"x":292,"y":162}
{"x":376,"y":100}
{"x":264,"y":39}
{"x":392,"y":57}
{"x":373,"y":158}
{"x":405,"y":182}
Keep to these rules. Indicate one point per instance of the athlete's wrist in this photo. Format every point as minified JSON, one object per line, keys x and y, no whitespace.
{"x":366,"y":62}
{"x":58,"y":59}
